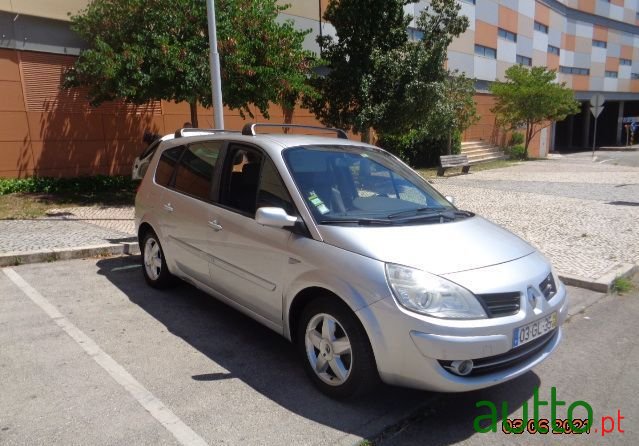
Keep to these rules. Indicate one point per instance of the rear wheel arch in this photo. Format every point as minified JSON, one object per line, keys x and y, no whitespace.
{"x":143,"y":230}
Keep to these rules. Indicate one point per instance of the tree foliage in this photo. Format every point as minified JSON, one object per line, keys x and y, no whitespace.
{"x":380,"y":80}
{"x":141,"y":50}
{"x":408,"y":83}
{"x":362,"y":27}
{"x":531,"y":98}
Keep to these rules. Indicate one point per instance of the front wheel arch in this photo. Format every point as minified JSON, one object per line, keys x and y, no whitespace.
{"x":321,"y":301}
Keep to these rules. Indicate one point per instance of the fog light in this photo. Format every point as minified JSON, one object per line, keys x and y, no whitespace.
{"x":462,"y":368}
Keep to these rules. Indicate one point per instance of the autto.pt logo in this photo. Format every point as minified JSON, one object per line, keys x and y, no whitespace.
{"x":579,"y":418}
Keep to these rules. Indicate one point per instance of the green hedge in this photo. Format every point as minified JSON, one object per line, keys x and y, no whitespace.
{"x":82,"y":185}
{"x":517,"y":152}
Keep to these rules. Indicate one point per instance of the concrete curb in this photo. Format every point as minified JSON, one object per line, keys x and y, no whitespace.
{"x":617,"y":149}
{"x":80,"y":252}
{"x":604,"y":283}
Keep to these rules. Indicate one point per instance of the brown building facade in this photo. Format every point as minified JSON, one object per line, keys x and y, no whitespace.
{"x":48,"y":131}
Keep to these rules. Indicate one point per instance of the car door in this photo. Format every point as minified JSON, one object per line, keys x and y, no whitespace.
{"x":250,"y":259}
{"x":188,"y":210}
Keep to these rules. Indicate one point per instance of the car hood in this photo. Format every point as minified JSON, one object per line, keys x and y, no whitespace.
{"x":438,"y":248}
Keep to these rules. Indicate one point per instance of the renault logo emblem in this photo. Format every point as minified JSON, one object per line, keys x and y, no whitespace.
{"x":532,"y":296}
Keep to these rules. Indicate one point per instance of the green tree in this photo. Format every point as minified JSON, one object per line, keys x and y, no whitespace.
{"x":455,"y":109}
{"x":408,"y":83}
{"x":531,"y":98}
{"x":417,"y":107}
{"x":141,"y":50}
{"x":362,"y":27}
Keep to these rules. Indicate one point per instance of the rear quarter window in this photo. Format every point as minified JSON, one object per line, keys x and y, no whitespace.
{"x":166,"y":165}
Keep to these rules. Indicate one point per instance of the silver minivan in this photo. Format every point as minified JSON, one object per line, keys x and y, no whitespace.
{"x":347,"y":252}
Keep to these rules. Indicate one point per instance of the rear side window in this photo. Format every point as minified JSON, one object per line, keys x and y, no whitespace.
{"x":166,"y":165}
{"x":195,"y":169}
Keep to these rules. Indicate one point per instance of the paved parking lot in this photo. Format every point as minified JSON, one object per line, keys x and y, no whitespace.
{"x":221,"y":375}
{"x":91,"y":355}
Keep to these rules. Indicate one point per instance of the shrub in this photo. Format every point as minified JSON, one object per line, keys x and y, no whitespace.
{"x":419,"y":149}
{"x":516,"y":139}
{"x":517,"y":152}
{"x":48,"y":185}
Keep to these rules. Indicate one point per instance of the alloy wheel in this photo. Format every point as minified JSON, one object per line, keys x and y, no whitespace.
{"x":328,"y":349}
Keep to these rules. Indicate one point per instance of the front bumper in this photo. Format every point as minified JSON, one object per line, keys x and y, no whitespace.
{"x":414,"y":350}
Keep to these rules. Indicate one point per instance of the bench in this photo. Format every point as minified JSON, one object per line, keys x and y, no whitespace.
{"x":447,"y":161}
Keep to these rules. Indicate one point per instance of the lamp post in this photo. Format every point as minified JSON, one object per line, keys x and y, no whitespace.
{"x":214,"y":60}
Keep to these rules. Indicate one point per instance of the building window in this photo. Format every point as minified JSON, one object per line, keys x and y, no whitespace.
{"x":553,"y":50}
{"x":507,"y":35}
{"x":634,"y":76}
{"x":541,"y":27}
{"x":574,"y":70}
{"x":625,"y":62}
{"x":599,"y":43}
{"x":481,"y":50}
{"x":523,"y":60}
{"x":612,"y":74}
{"x":415,"y":34}
{"x":472,"y":2}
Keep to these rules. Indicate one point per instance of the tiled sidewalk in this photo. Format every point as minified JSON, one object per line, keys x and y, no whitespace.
{"x":584,"y":216}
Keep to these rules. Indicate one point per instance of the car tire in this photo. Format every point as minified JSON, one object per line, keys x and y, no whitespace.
{"x":335,"y":349}
{"x":154,"y":268}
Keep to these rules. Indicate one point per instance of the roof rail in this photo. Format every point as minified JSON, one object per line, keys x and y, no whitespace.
{"x":249,"y":129}
{"x":179,"y":133}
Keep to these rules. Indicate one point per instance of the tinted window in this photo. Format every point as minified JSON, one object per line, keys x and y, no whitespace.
{"x":195,"y":170}
{"x":166,"y":165}
{"x":241,"y":178}
{"x":272,"y":191}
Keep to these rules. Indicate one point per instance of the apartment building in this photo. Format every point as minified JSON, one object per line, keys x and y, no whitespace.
{"x":593,"y":44}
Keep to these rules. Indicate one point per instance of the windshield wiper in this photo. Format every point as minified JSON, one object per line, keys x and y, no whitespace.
{"x":442,"y":216}
{"x":359,"y":221}
{"x":414,"y":211}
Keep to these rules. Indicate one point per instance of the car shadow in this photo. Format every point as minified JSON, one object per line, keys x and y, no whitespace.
{"x":242,"y":346}
{"x":451,"y":418}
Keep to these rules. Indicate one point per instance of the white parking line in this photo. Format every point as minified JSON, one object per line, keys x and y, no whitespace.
{"x":182,"y":433}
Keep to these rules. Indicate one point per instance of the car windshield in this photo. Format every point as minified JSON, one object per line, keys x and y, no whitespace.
{"x":356,"y":184}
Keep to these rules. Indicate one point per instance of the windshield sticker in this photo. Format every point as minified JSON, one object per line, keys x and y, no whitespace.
{"x":318,"y":203}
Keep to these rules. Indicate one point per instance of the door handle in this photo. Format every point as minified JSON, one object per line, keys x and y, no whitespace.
{"x":215,"y":225}
{"x":168,"y":207}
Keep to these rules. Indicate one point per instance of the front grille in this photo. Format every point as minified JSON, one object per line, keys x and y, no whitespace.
{"x":548,"y":287}
{"x":512,"y":357}
{"x":500,"y":304}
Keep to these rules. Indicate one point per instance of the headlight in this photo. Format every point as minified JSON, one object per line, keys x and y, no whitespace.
{"x":431,"y":295}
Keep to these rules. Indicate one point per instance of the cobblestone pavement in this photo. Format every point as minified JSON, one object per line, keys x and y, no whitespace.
{"x":581,"y":214}
{"x":68,"y":228}
{"x":112,"y":218}
{"x":21,"y":236}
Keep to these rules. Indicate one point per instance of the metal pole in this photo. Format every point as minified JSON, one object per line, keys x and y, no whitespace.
{"x":594,"y":137}
{"x":319,"y":5}
{"x":214,"y":59}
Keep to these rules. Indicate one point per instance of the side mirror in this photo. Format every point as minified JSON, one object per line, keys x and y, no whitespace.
{"x":450,"y":199}
{"x":274,"y":217}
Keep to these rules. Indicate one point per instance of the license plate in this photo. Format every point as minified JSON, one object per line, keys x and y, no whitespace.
{"x":532,"y":331}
